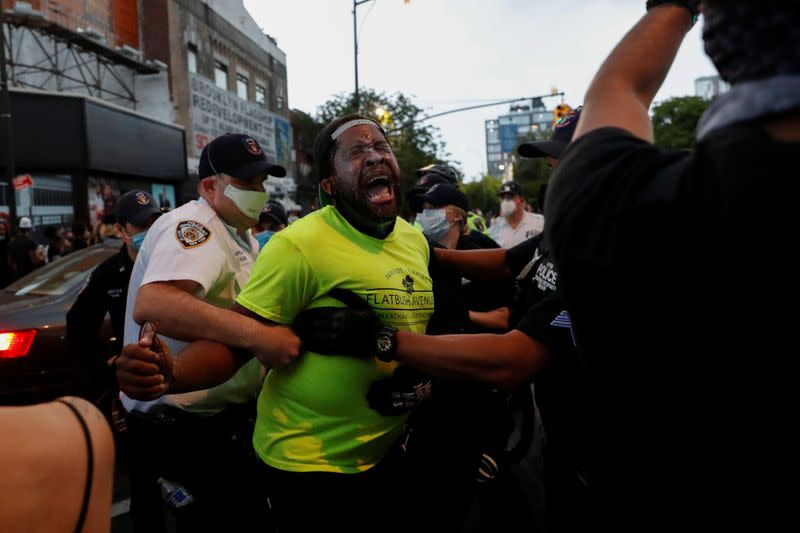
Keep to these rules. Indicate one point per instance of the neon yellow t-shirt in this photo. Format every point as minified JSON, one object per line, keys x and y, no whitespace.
{"x":313,"y":415}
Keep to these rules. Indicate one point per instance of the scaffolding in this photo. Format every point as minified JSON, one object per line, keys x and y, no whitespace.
{"x":50,"y":55}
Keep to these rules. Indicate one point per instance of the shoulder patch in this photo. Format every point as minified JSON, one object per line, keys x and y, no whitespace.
{"x":191,"y":234}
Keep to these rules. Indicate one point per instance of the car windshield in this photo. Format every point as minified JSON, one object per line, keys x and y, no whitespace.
{"x":64,"y":273}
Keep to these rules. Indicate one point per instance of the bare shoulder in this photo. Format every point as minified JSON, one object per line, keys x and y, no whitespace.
{"x":44,"y":452}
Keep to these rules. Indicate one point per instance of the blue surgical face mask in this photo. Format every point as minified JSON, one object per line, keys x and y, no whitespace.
{"x":137,"y":240}
{"x":434,"y":223}
{"x":263,"y":237}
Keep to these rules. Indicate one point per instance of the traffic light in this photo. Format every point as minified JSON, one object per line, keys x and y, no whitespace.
{"x":561,"y":111}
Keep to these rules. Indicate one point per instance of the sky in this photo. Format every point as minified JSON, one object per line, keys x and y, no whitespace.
{"x":455,"y":53}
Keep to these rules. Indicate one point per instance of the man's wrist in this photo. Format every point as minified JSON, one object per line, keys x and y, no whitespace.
{"x":386,"y":343}
{"x":252,"y":330}
{"x":692,"y":6}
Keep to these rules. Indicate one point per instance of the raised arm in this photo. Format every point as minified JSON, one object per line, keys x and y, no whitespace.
{"x":623,"y":89}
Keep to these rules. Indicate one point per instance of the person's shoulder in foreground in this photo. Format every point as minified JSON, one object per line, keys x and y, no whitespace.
{"x":63,"y":469}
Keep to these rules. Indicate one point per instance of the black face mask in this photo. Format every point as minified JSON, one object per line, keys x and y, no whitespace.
{"x":367,"y":224}
{"x":749,"y":41}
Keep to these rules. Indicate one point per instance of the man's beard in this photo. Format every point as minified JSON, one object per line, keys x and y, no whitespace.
{"x":361,"y":204}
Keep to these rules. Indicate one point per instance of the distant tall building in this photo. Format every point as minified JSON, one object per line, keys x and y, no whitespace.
{"x":709,"y":87}
{"x":504,"y":133}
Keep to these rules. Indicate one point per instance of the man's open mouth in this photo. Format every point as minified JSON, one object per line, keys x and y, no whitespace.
{"x":379,"y":190}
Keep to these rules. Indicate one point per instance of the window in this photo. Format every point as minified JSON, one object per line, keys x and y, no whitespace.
{"x":221,"y":75}
{"x":492,"y":135}
{"x":280,"y":101}
{"x":521,"y":119}
{"x":191,"y":57}
{"x":241,"y":86}
{"x":493,"y":148}
{"x":261,"y":96}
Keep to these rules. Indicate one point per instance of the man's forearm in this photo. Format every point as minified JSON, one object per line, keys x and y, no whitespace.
{"x":623,"y":89}
{"x":204,"y":364}
{"x":506,"y":360}
{"x":183,"y":316}
{"x":487,"y":264}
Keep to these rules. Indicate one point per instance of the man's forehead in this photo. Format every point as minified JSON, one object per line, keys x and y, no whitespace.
{"x":362,"y":132}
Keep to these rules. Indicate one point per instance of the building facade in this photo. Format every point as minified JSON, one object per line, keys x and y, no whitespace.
{"x":226,"y":75}
{"x":504,"y":134}
{"x":91,"y":114}
{"x":709,"y":87}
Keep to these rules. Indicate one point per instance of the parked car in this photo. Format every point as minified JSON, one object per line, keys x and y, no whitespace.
{"x":37,"y":362}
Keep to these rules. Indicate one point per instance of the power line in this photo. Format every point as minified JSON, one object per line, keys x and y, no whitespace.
{"x":469,"y":108}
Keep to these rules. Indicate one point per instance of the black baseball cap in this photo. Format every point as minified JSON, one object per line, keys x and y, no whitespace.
{"x":559,"y":140}
{"x":423,"y":185}
{"x":443,"y":194}
{"x":510,"y":187}
{"x":275,"y":211}
{"x":237,"y":155}
{"x":439,"y":169}
{"x":136,"y":207}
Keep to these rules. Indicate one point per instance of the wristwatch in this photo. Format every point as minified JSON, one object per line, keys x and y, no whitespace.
{"x":692,"y":5}
{"x":386,"y":343}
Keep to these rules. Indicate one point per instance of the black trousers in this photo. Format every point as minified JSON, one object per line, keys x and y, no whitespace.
{"x":212,"y":457}
{"x":378,"y":499}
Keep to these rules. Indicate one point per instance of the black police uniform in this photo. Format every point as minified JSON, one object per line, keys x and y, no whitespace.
{"x":105,"y":292}
{"x":560,"y":388}
{"x":677,"y":267}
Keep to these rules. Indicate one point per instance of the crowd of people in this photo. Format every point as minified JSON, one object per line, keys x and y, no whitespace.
{"x":608,"y":365}
{"x":28,"y":249}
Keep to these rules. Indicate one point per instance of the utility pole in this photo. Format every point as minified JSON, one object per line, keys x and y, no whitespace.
{"x":356,"y":98}
{"x":8,"y":126}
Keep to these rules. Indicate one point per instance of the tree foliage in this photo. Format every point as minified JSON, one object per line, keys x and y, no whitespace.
{"x":482,"y":194}
{"x":415,"y":144}
{"x":675,"y":121}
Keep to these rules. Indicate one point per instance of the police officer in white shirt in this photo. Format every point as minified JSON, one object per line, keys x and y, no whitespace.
{"x":514,"y":224}
{"x":195,"y":258}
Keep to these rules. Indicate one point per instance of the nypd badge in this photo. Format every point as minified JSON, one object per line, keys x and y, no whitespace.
{"x":192,"y":234}
{"x":252,"y":146}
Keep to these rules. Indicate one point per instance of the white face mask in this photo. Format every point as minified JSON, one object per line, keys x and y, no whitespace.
{"x":507,"y":208}
{"x":250,"y":203}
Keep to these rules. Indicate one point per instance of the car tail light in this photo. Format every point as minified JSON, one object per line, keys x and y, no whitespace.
{"x":16,"y":343}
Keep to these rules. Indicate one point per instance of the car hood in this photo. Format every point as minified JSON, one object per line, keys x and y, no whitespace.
{"x":31,"y":311}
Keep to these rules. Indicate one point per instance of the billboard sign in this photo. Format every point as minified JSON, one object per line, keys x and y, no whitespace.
{"x":215,"y":111}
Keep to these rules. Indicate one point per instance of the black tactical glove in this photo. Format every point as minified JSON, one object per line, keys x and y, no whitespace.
{"x":351,"y":330}
{"x":405,"y":390}
{"x":692,"y":5}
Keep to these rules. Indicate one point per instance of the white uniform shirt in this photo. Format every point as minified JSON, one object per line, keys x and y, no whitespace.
{"x":193,"y":243}
{"x":503,"y":234}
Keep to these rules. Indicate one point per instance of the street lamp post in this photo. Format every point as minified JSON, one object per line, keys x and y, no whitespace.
{"x":356,"y":3}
